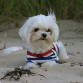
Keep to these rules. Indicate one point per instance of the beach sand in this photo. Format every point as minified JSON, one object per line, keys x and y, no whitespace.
{"x":71,"y":34}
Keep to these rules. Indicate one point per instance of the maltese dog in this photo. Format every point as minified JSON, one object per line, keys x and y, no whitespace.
{"x":41,"y":34}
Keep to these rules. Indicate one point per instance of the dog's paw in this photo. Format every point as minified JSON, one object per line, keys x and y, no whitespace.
{"x":64,"y":59}
{"x":49,"y":64}
{"x":30,"y":66}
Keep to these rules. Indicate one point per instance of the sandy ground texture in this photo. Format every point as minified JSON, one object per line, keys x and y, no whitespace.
{"x":71,"y":34}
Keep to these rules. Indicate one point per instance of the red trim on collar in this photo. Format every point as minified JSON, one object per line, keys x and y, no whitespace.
{"x":40,"y":55}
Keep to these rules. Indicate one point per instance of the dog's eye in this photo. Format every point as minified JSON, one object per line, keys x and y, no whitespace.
{"x":48,"y":30}
{"x":36,"y":29}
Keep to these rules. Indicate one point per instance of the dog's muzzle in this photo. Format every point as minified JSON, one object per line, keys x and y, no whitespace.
{"x":44,"y":35}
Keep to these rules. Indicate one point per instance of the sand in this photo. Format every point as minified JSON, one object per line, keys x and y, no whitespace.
{"x":71,"y":34}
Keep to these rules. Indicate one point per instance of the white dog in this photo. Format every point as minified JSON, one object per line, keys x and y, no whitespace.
{"x":41,"y":36}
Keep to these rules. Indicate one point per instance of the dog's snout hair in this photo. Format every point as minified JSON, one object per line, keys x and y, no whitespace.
{"x":44,"y":35}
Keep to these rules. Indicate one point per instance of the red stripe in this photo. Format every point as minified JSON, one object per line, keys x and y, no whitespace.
{"x":40,"y":55}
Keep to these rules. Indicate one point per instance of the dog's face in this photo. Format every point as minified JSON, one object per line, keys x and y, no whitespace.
{"x":40,"y":30}
{"x":41,"y":35}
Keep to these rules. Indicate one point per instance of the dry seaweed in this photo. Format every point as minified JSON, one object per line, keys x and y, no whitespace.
{"x":76,"y":63}
{"x":17,"y":73}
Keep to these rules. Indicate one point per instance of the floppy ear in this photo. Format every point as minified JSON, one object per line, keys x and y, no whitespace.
{"x":24,"y":30}
{"x":55,"y":26}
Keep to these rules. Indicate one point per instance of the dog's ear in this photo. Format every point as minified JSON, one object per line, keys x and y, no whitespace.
{"x":52,"y":18}
{"x":23,"y":30}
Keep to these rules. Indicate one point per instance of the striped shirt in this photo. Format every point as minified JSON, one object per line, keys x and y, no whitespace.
{"x":51,"y":56}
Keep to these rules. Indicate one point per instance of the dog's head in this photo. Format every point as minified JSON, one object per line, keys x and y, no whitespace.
{"x":40,"y":29}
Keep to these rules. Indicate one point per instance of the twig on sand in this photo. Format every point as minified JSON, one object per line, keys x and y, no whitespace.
{"x":5,"y":37}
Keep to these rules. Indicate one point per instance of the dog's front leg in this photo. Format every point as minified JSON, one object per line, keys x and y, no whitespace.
{"x":30,"y":65}
{"x":48,"y":64}
{"x":62,"y":53}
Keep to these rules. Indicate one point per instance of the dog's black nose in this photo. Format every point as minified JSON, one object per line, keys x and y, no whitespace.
{"x":44,"y":35}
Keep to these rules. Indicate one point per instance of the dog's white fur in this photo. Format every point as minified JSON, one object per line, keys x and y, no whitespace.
{"x":33,"y":38}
